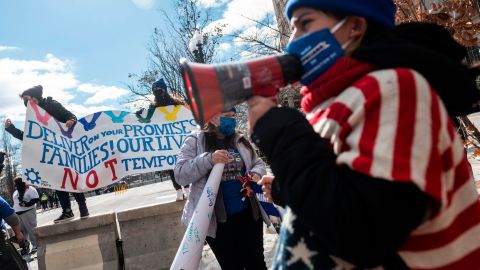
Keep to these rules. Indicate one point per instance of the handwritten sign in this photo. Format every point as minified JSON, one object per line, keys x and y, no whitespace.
{"x":101,"y":148}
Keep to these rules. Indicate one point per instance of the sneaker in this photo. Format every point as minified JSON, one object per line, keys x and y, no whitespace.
{"x":180,"y":196}
{"x":187,"y":192}
{"x":34,"y":250}
{"x":66,"y":216}
{"x":84,"y":213}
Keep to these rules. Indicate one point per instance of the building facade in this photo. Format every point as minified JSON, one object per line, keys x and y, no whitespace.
{"x":283,"y":26}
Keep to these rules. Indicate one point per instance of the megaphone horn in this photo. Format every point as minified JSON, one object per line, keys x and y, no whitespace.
{"x":213,"y":89}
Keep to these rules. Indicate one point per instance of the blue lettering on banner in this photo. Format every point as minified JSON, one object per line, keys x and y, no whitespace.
{"x":35,"y":131}
{"x":52,"y":154}
{"x":143,"y":163}
{"x":173,"y":128}
{"x":112,"y":132}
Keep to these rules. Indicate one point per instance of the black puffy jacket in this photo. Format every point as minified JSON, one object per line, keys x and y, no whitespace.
{"x":54,"y":108}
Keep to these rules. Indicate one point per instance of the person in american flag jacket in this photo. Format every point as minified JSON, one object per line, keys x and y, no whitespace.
{"x":375,"y":176}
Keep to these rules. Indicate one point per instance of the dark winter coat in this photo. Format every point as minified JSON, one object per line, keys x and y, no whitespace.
{"x":54,"y":108}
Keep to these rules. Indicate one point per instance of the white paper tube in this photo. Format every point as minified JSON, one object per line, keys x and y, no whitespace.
{"x":190,"y":250}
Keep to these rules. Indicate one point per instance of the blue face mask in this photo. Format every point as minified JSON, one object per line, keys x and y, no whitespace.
{"x":318,"y":51}
{"x":227,"y":125}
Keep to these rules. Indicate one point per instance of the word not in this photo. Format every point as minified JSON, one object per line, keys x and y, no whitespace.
{"x":92,"y":180}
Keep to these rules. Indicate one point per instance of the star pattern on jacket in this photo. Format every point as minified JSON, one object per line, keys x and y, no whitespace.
{"x":342,"y":264}
{"x":300,"y":252}
{"x":288,"y":220}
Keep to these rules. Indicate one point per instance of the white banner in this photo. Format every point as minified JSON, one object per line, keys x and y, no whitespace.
{"x":101,"y":148}
{"x":190,"y":251}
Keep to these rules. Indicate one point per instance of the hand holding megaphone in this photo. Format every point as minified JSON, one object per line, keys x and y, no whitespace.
{"x":213,"y":89}
{"x":257,"y":107}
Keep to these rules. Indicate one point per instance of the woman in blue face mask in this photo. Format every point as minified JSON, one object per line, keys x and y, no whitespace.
{"x":235,"y":233}
{"x":374,"y":177}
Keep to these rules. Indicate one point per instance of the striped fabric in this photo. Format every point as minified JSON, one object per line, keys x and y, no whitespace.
{"x":390,"y":124}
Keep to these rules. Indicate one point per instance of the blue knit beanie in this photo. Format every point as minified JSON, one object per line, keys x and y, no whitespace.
{"x":380,"y":11}
{"x":160,"y":83}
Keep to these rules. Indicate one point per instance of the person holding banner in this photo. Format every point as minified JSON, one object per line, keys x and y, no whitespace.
{"x":163,"y":98}
{"x":235,"y":232}
{"x":375,"y":177}
{"x":55,"y":109}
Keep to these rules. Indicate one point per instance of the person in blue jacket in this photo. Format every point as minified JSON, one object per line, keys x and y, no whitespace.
{"x":7,"y":214}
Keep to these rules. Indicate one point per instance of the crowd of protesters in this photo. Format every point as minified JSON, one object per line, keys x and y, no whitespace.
{"x":48,"y":199}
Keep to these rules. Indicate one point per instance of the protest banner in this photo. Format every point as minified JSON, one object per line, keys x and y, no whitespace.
{"x":190,"y":250}
{"x":101,"y":148}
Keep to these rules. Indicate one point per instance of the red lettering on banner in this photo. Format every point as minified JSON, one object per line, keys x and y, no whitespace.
{"x":68,"y":171}
{"x":95,"y":179}
{"x":111,"y":163}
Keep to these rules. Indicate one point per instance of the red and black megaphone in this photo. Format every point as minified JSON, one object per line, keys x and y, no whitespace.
{"x":213,"y":89}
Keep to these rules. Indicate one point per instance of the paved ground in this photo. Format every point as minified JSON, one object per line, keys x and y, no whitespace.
{"x":133,"y":197}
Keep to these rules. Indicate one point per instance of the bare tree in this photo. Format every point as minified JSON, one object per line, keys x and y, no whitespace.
{"x":10,"y":163}
{"x":462,"y":19}
{"x":266,"y":38}
{"x":169,"y":45}
{"x":263,"y":39}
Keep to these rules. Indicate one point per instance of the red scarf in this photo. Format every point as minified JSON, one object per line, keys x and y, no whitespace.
{"x":340,"y":76}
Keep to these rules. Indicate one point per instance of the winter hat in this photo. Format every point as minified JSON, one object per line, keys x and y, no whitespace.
{"x":36,"y":92}
{"x":159,"y":84}
{"x":380,"y":11}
